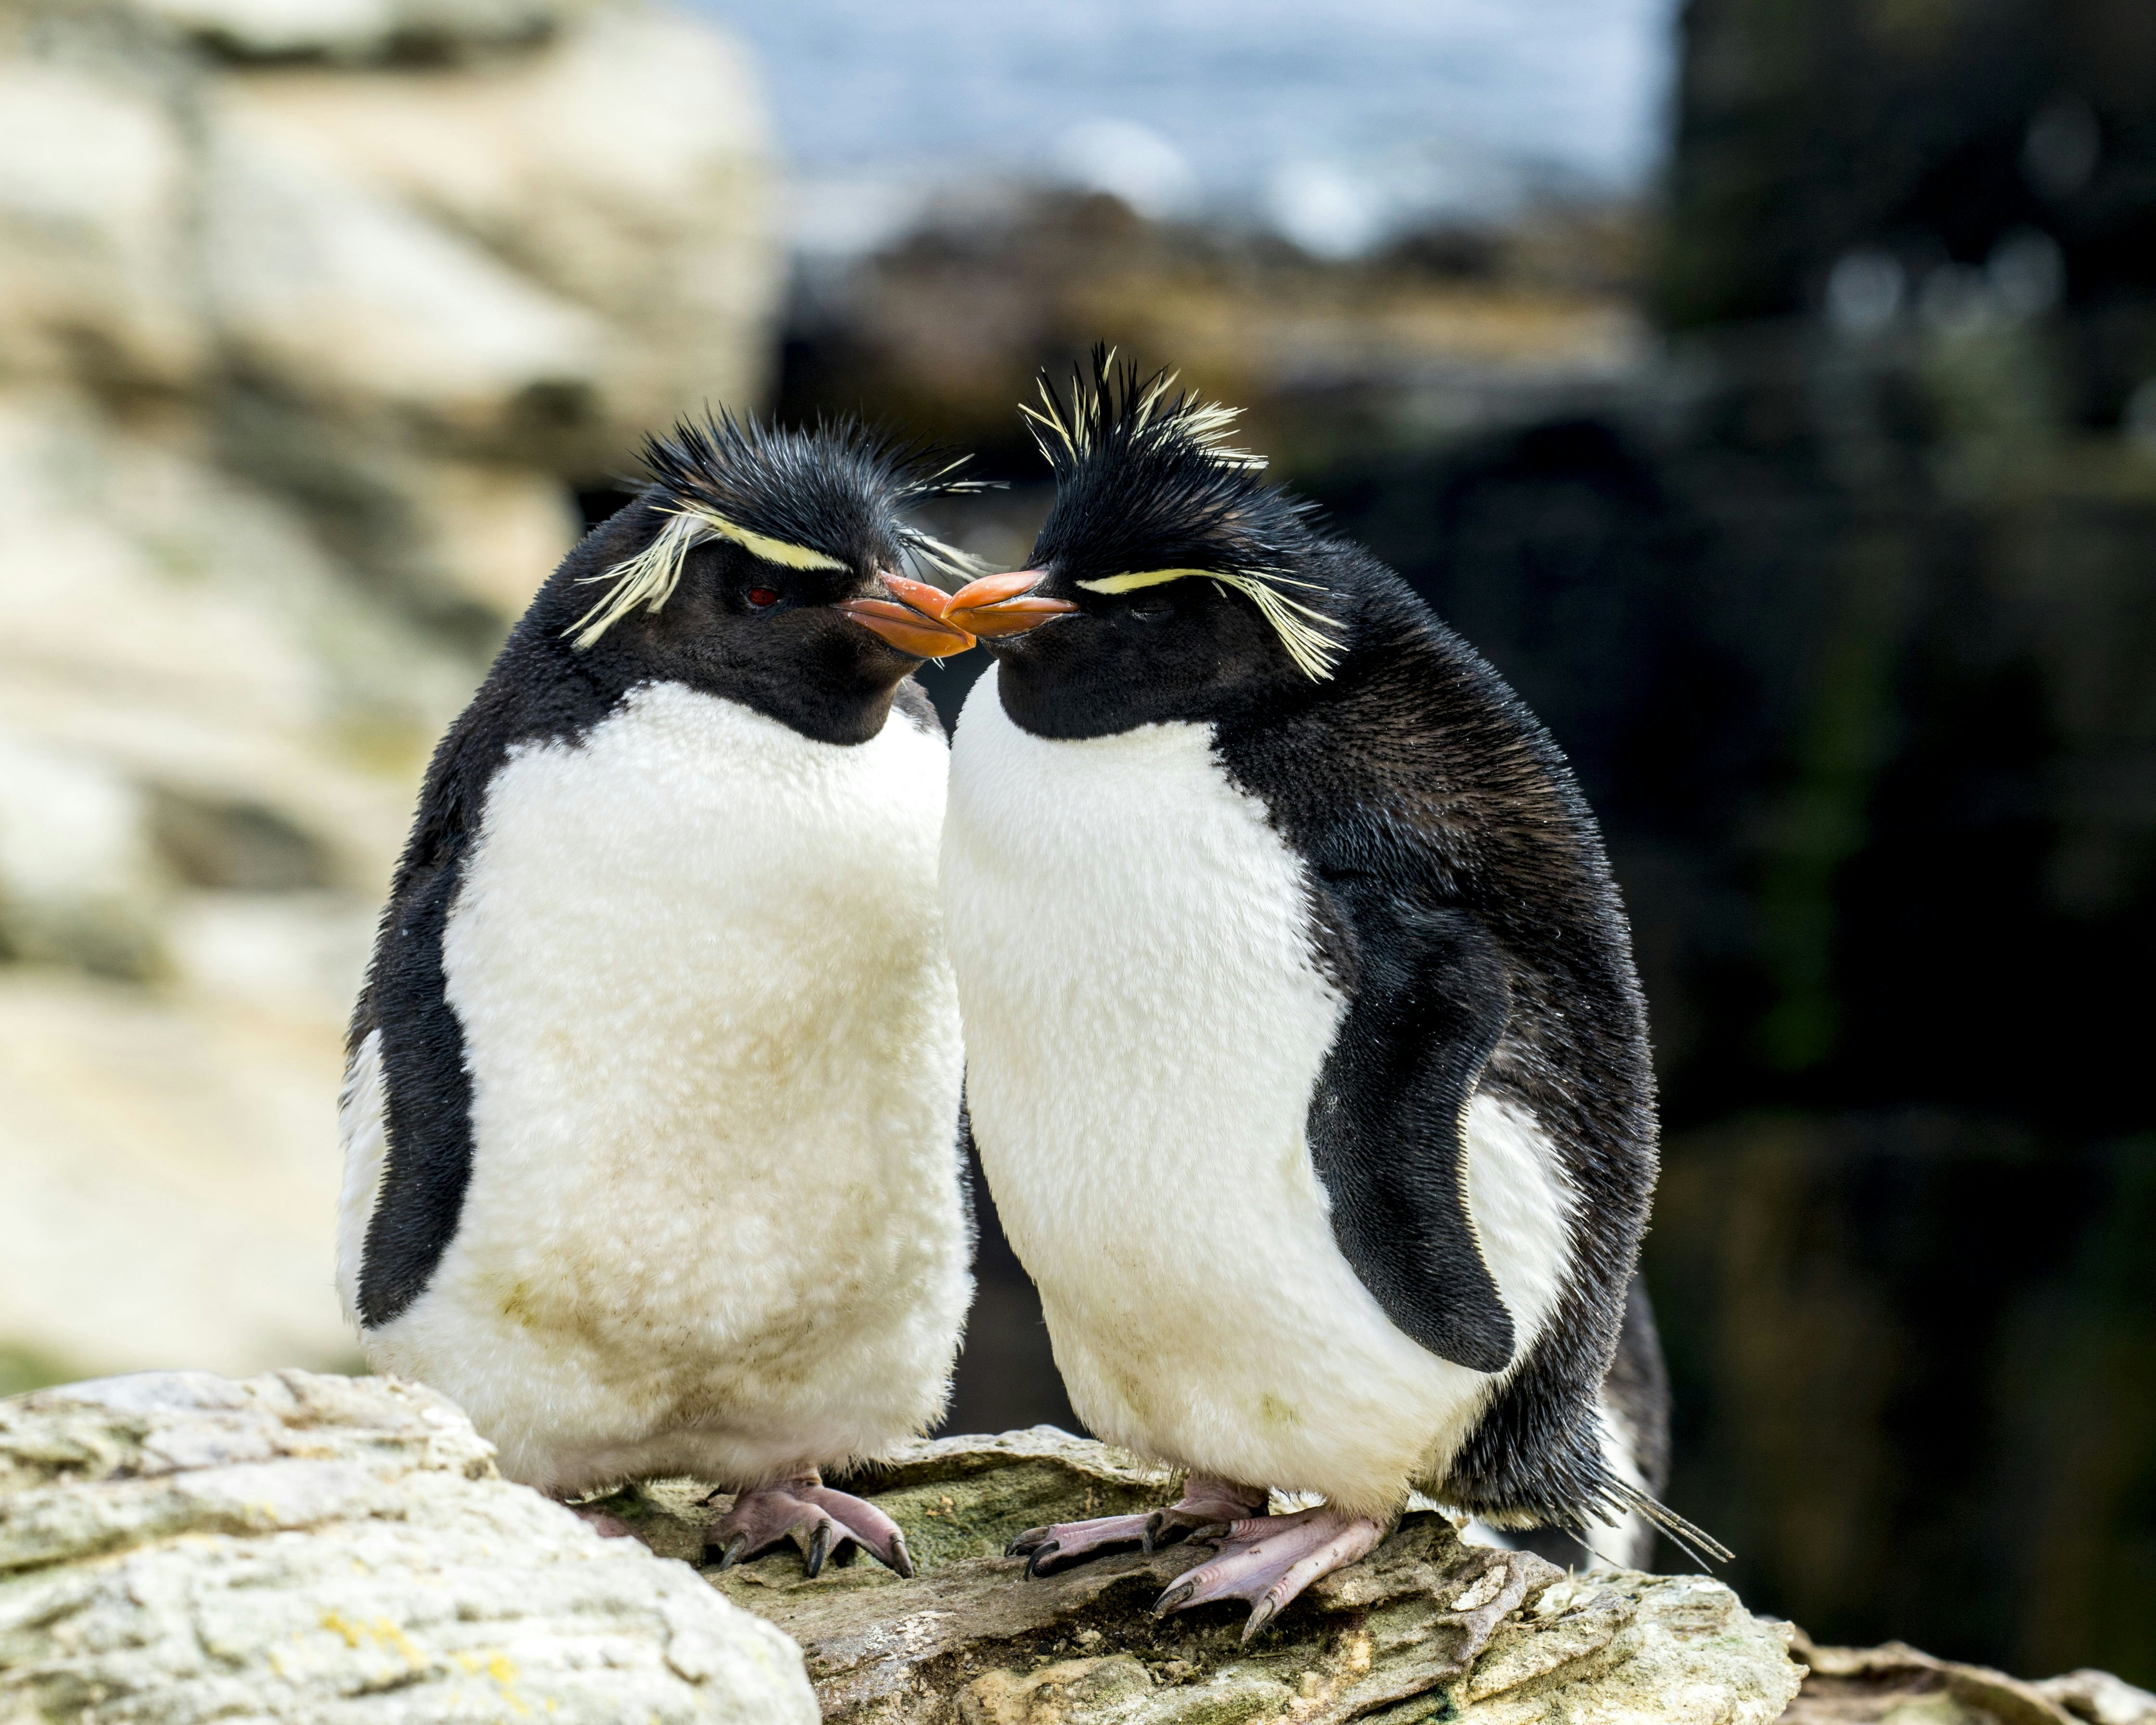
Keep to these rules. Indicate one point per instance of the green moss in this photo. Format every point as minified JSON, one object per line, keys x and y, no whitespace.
{"x":24,"y":1369}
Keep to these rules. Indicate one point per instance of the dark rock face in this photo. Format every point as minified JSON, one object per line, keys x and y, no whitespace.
{"x":1929,"y":132}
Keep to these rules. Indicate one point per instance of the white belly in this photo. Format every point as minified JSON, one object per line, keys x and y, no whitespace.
{"x":714,"y":1223}
{"x":1145,"y":1025}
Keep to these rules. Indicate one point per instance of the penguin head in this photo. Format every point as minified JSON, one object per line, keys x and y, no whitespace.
{"x":764,"y":565}
{"x":1169,"y":580}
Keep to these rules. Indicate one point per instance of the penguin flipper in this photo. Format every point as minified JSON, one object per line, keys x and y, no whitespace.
{"x":1386,"y":1128}
{"x":429,"y":1093}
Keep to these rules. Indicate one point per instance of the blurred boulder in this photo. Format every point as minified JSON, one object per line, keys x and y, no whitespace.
{"x":185,"y":1547}
{"x":314,"y":316}
{"x":359,"y":30}
{"x":78,"y":883}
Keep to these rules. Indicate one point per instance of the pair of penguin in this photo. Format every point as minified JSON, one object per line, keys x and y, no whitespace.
{"x":1265,"y":932}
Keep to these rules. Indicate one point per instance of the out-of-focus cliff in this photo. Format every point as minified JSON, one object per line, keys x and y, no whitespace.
{"x":314,"y":316}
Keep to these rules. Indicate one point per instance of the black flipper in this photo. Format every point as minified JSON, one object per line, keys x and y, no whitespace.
{"x":429,"y":1096}
{"x":1429,"y":1002}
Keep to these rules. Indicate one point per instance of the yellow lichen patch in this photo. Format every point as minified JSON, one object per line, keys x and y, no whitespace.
{"x":382,"y":1630}
{"x":499,"y":1667}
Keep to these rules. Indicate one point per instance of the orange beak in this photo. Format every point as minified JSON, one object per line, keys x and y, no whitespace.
{"x":997,"y":605}
{"x":912,"y":619}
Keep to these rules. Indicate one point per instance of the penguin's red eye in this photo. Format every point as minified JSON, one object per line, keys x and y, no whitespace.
{"x":762,"y":598}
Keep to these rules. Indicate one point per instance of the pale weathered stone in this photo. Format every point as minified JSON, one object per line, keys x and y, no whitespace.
{"x":1427,"y":1627}
{"x":2100,"y":1698}
{"x":79,"y":881}
{"x":95,"y":211}
{"x":1898,"y":1685}
{"x":176,"y":1547}
{"x":623,"y":166}
{"x":362,"y":306}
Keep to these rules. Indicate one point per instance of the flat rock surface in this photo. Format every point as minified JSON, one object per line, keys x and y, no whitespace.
{"x":177,"y":1547}
{"x":1428,"y":1628}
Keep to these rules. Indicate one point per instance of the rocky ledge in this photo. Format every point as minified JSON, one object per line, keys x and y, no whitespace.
{"x":176,"y":1547}
{"x":1427,"y":1628}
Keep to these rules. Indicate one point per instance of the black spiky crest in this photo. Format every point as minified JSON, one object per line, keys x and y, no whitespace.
{"x":1147,"y":489}
{"x":803,"y":498}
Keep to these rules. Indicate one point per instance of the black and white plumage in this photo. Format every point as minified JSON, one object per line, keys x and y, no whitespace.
{"x":1306,"y":1057}
{"x":651,"y":1110}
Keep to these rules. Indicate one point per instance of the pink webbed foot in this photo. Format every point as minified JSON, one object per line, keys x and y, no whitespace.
{"x":1205,"y":1502}
{"x":605,"y":1526}
{"x":825,"y":1523}
{"x":1269,"y":1559}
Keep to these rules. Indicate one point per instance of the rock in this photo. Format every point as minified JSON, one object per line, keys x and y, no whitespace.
{"x":622,"y":168}
{"x":2100,"y":1698}
{"x":1394,"y":1638}
{"x":169,"y":1193}
{"x":79,"y":882}
{"x":364,"y":309}
{"x":314,"y":317}
{"x":1855,"y":1686}
{"x":356,"y":30}
{"x":180,"y":1547}
{"x":95,"y":218}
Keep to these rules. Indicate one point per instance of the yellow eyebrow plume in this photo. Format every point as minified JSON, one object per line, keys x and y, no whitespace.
{"x":1299,"y":627}
{"x":649,"y":578}
{"x":771,"y":550}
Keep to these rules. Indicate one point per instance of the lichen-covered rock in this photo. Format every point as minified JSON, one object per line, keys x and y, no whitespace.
{"x":176,"y":1547}
{"x":1428,"y":1627}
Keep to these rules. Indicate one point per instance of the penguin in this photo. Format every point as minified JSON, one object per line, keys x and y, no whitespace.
{"x":651,"y":1118}
{"x":1307,"y":1059}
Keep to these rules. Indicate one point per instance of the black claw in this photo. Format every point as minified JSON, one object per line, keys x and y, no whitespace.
{"x":819,"y":1548}
{"x":1261,"y":1613}
{"x":1041,"y":1555}
{"x":1175,"y":1596}
{"x":1155,"y":1524}
{"x":1214,"y":1530}
{"x":737,"y":1549}
{"x":900,"y":1559}
{"x":1025,"y":1541}
{"x":843,"y":1554}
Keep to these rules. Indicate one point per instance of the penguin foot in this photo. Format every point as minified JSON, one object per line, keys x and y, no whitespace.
{"x":1269,"y":1559}
{"x":827,"y":1525}
{"x":1205,"y":1502}
{"x":605,"y":1526}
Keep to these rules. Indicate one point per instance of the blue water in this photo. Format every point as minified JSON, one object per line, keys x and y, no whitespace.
{"x":1336,"y":121}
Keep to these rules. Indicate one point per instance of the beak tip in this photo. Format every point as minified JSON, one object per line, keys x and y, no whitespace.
{"x":999,"y":605}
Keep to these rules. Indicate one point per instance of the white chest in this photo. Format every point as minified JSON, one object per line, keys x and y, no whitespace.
{"x":1146,"y":1023}
{"x":714,"y":1056}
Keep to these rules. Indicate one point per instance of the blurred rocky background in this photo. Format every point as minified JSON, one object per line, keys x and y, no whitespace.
{"x":314,"y":316}
{"x":1785,"y":432}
